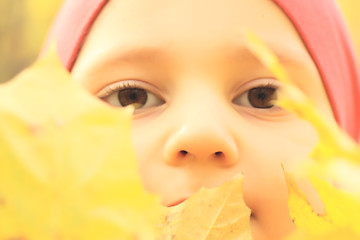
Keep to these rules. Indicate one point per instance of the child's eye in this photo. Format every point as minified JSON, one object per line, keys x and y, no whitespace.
{"x":258,"y":97}
{"x":124,"y":94}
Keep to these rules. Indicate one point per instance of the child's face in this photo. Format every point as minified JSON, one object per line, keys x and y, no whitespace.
{"x":203,"y":100}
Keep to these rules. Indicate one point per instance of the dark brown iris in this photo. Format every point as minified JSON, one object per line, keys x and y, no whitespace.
{"x":136,"y":96}
{"x":262,"y":97}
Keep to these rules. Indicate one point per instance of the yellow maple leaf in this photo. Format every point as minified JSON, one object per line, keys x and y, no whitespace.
{"x":341,"y":209}
{"x":68,"y":170}
{"x":210,"y":214}
{"x":333,"y":169}
{"x":331,"y":235}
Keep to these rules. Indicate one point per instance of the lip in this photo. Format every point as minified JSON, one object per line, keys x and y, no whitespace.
{"x":177,"y":202}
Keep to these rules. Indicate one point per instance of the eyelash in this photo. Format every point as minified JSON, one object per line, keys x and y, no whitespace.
{"x":258,"y":95}
{"x":107,"y":91}
{"x":266,"y":83}
{"x":126,"y":85}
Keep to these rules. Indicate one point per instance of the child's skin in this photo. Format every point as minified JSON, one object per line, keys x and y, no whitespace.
{"x":203,"y":121}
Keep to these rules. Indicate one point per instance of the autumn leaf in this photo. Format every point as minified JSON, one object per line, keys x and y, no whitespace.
{"x":218,"y":213}
{"x":331,"y":235}
{"x":341,"y":209}
{"x":333,"y":168}
{"x":68,"y":170}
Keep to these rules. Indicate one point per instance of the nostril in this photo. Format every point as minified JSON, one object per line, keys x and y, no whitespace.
{"x":183,"y":153}
{"x":219,"y":154}
{"x":220,"y":157}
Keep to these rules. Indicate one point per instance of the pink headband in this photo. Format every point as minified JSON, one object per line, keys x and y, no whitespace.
{"x":318,"y":22}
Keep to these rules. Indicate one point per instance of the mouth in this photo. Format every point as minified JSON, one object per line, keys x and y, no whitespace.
{"x":177,"y":202}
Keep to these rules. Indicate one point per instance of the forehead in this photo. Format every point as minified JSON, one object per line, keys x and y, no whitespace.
{"x":186,"y":23}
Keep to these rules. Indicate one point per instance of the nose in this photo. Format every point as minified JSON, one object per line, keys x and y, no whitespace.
{"x":201,"y":141}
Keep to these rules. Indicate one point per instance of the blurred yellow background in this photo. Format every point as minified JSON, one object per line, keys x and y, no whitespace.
{"x":23,"y":26}
{"x":25,"y":23}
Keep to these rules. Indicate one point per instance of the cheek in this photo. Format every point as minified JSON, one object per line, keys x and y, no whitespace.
{"x":148,"y":138}
{"x":280,"y":147}
{"x":158,"y":177}
{"x":147,"y":145}
{"x":264,"y":183}
{"x":148,"y":154}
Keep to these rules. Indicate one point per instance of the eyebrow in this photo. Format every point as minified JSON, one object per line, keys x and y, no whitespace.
{"x":286,"y":55}
{"x":139,"y":54}
{"x":290,"y":56}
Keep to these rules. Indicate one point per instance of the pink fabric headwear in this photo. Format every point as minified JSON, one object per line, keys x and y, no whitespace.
{"x":318,"y":23}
